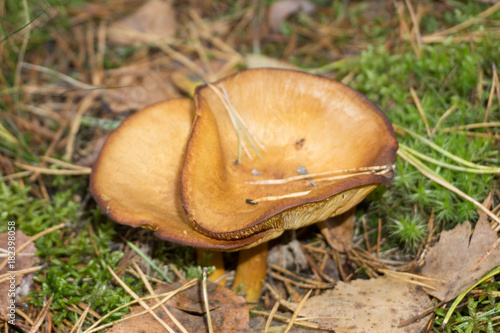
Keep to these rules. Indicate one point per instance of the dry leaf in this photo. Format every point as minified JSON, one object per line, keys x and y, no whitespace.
{"x":155,"y":20}
{"x":23,"y":260}
{"x":341,"y":230}
{"x":456,"y":254}
{"x":228,"y":311}
{"x":374,"y":306}
{"x":139,"y":90}
{"x":280,"y":10}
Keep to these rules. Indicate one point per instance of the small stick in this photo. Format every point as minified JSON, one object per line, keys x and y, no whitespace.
{"x":205,"y":301}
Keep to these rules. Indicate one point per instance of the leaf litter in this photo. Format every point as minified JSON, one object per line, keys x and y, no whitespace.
{"x":25,"y":259}
{"x":228,"y":311}
{"x":459,"y":258}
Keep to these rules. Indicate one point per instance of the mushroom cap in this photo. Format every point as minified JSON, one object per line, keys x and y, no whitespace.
{"x":300,"y":120}
{"x":136,"y":178}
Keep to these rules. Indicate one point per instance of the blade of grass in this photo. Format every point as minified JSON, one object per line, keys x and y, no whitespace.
{"x":441,"y":150}
{"x":426,"y":171}
{"x":453,"y":306}
{"x":148,"y":260}
{"x":444,"y":164}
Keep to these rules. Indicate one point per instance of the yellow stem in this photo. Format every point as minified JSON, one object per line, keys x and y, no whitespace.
{"x":251,"y":272}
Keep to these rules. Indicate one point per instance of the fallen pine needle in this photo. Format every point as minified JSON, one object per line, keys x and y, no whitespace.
{"x":166,"y":296}
{"x":271,"y":315}
{"x":41,"y":316}
{"x":47,"y":171}
{"x":296,"y":312}
{"x":141,"y":302}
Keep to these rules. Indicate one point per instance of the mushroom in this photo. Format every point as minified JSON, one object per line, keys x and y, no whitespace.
{"x":269,"y":150}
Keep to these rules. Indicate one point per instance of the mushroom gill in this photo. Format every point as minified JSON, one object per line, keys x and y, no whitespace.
{"x":257,"y":130}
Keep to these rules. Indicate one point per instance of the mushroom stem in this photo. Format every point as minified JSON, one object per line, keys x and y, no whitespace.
{"x":251,"y":271}
{"x":214,"y":259}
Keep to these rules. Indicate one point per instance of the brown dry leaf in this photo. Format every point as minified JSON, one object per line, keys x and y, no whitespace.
{"x":280,"y":10}
{"x":456,"y":254}
{"x":154,"y":20}
{"x":23,"y":260}
{"x":228,"y":311}
{"x":341,"y":230}
{"x":375,"y":306}
{"x":139,"y":90}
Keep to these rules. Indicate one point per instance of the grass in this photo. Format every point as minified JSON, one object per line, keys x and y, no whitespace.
{"x":445,"y":75}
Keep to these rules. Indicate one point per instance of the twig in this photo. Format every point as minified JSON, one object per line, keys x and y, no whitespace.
{"x":205,"y":301}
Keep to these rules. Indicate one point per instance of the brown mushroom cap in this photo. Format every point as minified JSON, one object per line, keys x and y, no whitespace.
{"x":136,"y":179}
{"x":301,"y":120}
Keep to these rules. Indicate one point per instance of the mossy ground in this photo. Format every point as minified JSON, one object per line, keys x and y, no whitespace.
{"x":380,"y":60}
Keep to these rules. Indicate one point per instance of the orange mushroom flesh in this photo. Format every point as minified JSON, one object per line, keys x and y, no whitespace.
{"x":238,"y":183}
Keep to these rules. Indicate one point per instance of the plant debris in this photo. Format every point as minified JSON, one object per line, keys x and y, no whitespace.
{"x":24,"y":259}
{"x":229,"y":312}
{"x":456,"y":256}
{"x":375,"y":305}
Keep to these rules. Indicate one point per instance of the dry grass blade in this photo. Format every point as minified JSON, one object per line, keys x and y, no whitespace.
{"x":286,"y":319}
{"x":356,"y":171}
{"x":151,"y":291}
{"x":492,"y":95}
{"x":421,"y":111}
{"x":320,"y":285}
{"x":5,"y":276}
{"x":438,"y":179}
{"x":416,"y":28}
{"x":443,"y":117}
{"x":464,"y":25}
{"x":278,"y":197}
{"x":80,"y":320}
{"x":166,"y":296}
{"x":410,"y":278}
{"x":16,"y":175}
{"x":75,"y":124}
{"x":297,"y":311}
{"x":41,"y":316}
{"x":47,"y":171}
{"x":271,"y":315}
{"x":60,"y":76}
{"x":62,"y":163}
{"x":141,"y":302}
